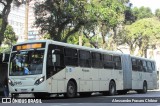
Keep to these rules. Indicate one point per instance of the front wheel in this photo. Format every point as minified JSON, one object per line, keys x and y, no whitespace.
{"x":112,"y":88}
{"x":71,"y":90}
{"x":144,"y":90}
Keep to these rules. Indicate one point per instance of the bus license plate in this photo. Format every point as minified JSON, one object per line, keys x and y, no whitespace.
{"x":23,"y":90}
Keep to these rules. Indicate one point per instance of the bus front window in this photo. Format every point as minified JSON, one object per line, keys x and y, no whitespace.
{"x":26,"y":63}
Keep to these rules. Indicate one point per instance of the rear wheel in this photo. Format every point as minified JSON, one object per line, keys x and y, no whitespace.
{"x":112,"y":88}
{"x":144,"y":89}
{"x":71,"y":90}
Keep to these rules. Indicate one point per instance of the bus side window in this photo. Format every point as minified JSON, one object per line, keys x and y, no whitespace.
{"x":134,"y":64}
{"x":107,"y":61}
{"x":144,"y":66}
{"x":139,"y":65}
{"x":96,"y":60}
{"x":84,"y":58}
{"x":71,"y":57}
{"x":149,"y":67}
{"x":117,"y":62}
{"x":153,"y":66}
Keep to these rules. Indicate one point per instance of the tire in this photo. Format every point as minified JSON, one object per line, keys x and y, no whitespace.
{"x":144,"y":90}
{"x":112,"y":88}
{"x":71,"y":90}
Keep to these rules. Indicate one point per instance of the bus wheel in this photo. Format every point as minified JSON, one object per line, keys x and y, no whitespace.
{"x":71,"y":90}
{"x":112,"y":88}
{"x":144,"y":90}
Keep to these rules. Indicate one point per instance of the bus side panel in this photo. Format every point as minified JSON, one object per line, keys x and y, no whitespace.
{"x":155,"y":78}
{"x":127,"y":73}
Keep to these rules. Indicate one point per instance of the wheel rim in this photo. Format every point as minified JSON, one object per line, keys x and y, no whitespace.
{"x":145,"y":88}
{"x":112,"y":89}
{"x":71,"y":90}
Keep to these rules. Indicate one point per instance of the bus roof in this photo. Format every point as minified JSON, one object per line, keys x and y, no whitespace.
{"x":79,"y":47}
{"x":71,"y":45}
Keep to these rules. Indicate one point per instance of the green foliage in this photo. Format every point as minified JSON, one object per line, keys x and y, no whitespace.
{"x":56,"y":17}
{"x":9,"y":35}
{"x":4,"y":15}
{"x":142,"y":12}
{"x":142,"y":34}
{"x":157,"y":13}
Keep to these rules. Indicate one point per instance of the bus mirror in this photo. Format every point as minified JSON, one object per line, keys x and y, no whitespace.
{"x":5,"y":58}
{"x":53,"y":58}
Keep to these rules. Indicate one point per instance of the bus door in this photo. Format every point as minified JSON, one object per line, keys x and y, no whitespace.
{"x":55,"y":69}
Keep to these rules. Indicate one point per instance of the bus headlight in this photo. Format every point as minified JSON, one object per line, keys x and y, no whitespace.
{"x":10,"y":82}
{"x":39,"y":81}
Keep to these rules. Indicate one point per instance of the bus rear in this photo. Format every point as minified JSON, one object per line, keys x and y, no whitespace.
{"x":25,"y":70}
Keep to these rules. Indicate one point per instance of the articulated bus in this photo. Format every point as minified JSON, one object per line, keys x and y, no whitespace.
{"x":46,"y":67}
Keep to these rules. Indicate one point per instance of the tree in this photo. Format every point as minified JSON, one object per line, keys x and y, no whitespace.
{"x":103,"y":16}
{"x":143,"y":33}
{"x":142,"y":12}
{"x":55,"y":16}
{"x":4,"y":15}
{"x":9,"y":36}
{"x":157,"y":13}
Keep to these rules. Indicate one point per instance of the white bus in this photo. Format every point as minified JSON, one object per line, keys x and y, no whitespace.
{"x":45,"y":67}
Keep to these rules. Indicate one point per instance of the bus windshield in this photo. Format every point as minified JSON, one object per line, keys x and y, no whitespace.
{"x":26,"y":62}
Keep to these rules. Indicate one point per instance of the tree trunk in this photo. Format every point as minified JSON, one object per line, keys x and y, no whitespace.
{"x":80,"y":37}
{"x":5,"y":13}
{"x":26,"y":20}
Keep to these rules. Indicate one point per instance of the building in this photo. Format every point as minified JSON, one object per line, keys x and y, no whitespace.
{"x":16,"y":19}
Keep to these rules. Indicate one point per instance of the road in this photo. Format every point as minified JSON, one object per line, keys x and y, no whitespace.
{"x":130,"y":99}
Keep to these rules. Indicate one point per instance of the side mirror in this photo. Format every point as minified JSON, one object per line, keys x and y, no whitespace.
{"x":53,"y":57}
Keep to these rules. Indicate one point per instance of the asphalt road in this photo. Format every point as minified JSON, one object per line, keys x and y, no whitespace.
{"x":152,"y":98}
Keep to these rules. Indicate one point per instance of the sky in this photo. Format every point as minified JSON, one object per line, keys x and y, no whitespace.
{"x":153,"y":4}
